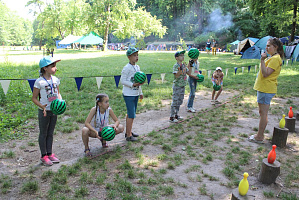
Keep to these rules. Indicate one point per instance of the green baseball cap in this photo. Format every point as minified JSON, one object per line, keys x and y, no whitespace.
{"x":47,"y":60}
{"x":178,"y":53}
{"x":131,"y":50}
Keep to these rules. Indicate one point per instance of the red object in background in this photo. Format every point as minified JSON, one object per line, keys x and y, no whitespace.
{"x":272,"y":155}
{"x":291,"y":114}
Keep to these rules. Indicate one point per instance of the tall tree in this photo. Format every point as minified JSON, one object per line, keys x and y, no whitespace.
{"x":121,"y":18}
{"x":278,"y":18}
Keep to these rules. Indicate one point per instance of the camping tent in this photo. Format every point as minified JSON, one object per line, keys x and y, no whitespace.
{"x":245,"y":44}
{"x":262,"y":43}
{"x":91,"y":38}
{"x":69,"y":39}
{"x":252,"y":53}
{"x":234,"y":45}
{"x":295,"y":55}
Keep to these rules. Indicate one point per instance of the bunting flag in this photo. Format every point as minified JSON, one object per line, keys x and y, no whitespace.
{"x":287,"y":62}
{"x":249,"y":68}
{"x":79,"y":82}
{"x":162,"y":77}
{"x":292,"y":61}
{"x":99,"y":81}
{"x":282,"y":62}
{"x":116,"y":79}
{"x":236,"y":68}
{"x":31,"y":83}
{"x":226,"y":70}
{"x":148,"y":76}
{"x":204,"y":72}
{"x":243,"y":69}
{"x":209,"y":73}
{"x":200,"y":71}
{"x":5,"y":85}
{"x":255,"y":68}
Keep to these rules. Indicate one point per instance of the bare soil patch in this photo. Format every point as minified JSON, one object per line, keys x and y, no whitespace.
{"x":69,"y":148}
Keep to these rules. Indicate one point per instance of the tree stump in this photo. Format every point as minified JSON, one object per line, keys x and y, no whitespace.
{"x":236,"y":195}
{"x":290,"y":123}
{"x":269,"y":172}
{"x":297,"y":116}
{"x":280,"y":136}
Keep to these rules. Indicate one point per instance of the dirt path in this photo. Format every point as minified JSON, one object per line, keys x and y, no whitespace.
{"x":69,"y":147}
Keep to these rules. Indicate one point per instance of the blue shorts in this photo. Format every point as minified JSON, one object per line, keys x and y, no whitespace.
{"x":131,"y":103}
{"x":264,"y":98}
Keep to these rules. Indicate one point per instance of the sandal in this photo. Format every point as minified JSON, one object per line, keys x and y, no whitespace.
{"x":87,"y":153}
{"x":104,"y":144}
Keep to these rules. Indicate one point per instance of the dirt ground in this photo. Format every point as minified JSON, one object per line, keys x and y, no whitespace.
{"x":69,"y":148}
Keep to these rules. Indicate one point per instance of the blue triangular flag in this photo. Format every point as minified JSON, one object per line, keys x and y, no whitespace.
{"x":78,"y":82}
{"x":282,"y":62}
{"x":249,"y":68}
{"x":236,"y":68}
{"x":31,"y":83}
{"x":148,"y":76}
{"x":117,"y":78}
{"x":200,"y":71}
{"x":292,"y":60}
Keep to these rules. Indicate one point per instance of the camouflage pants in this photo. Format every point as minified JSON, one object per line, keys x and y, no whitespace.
{"x":177,"y":100}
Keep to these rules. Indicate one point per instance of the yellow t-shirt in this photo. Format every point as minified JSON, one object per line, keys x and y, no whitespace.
{"x":269,"y":84}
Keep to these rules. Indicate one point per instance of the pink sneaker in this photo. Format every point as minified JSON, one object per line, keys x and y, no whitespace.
{"x":53,"y":158}
{"x":46,"y":161}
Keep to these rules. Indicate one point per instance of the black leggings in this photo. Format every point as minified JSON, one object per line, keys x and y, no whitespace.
{"x":46,"y":130}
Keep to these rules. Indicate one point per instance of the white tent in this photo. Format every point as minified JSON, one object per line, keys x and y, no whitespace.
{"x":69,"y":39}
{"x":245,"y":44}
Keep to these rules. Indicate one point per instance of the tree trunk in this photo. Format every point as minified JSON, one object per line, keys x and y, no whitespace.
{"x":106,"y":29}
{"x":294,"y":21}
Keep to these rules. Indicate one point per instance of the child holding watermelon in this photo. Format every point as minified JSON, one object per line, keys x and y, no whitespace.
{"x":217,"y":80}
{"x":180,"y":71}
{"x":131,"y":91}
{"x":46,"y":90}
{"x":97,"y":119}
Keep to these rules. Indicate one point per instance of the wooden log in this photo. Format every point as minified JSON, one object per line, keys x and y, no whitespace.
{"x":237,"y":196}
{"x":269,"y":172}
{"x":280,"y":136}
{"x":290,"y":123}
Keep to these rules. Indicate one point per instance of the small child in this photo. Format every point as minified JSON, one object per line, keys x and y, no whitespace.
{"x":217,"y":79}
{"x":46,"y":88}
{"x":97,"y":119}
{"x":180,"y":81}
{"x":194,"y":71}
{"x":131,"y":91}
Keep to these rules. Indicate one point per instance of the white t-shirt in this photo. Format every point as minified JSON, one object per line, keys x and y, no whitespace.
{"x":47,"y":88}
{"x":102,"y":120}
{"x":127,"y":80}
{"x":195,"y":68}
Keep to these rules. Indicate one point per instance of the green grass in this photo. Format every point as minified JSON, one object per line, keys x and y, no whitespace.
{"x":17,"y":109}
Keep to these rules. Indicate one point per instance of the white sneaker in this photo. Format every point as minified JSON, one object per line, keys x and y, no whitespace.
{"x":191,"y":110}
{"x":179,"y":117}
{"x":173,"y":120}
{"x":217,"y":102}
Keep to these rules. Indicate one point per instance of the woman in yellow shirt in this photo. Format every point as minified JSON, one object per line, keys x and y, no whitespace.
{"x":266,"y":83}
